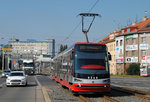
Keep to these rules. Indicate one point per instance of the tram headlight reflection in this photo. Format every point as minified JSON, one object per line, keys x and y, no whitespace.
{"x":77,"y":80}
{"x":106,"y":80}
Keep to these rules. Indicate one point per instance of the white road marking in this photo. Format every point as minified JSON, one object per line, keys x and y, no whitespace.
{"x":37,"y":81}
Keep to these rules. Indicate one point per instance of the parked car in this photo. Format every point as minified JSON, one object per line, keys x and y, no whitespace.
{"x":5,"y":73}
{"x":16,"y":78}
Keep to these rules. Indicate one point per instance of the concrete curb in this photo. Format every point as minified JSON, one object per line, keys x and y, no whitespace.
{"x":45,"y":94}
{"x":44,"y":91}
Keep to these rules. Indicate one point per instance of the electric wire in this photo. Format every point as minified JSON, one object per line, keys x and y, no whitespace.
{"x":79,"y":23}
{"x":93,"y":6}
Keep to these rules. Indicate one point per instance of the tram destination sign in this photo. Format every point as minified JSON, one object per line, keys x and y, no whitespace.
{"x":91,"y":47}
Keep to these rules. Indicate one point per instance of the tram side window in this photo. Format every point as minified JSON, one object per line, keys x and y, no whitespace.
{"x":64,"y":64}
{"x":61,"y":60}
{"x":71,"y":61}
{"x":68,"y":62}
{"x":56,"y":67}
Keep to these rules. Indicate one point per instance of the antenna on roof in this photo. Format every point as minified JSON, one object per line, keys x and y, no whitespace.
{"x":146,"y":13}
{"x":87,"y":15}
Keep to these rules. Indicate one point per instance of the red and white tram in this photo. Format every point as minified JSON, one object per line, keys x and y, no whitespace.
{"x":83,"y":68}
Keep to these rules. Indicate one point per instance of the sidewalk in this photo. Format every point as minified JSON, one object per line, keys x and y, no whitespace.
{"x":39,"y":94}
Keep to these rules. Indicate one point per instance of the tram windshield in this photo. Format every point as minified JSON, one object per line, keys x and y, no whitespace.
{"x":91,"y":59}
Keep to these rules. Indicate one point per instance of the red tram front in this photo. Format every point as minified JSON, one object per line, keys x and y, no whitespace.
{"x":83,"y":68}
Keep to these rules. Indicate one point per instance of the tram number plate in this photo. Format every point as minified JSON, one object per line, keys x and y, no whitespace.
{"x":93,"y":82}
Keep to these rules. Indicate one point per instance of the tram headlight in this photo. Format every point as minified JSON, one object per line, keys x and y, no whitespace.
{"x":77,"y":80}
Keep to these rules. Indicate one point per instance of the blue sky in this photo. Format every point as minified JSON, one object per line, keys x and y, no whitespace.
{"x":43,"y":19}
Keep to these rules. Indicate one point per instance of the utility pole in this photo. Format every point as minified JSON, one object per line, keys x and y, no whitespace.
{"x":3,"y":59}
{"x":53,"y":48}
{"x":85,"y":31}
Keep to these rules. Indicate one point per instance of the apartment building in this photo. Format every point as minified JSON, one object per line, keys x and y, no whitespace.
{"x":128,"y":45}
{"x":132,"y":45}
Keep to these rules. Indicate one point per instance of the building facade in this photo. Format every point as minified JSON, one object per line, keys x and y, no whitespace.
{"x":31,"y":47}
{"x":128,"y":45}
{"x":133,"y":46}
{"x":110,"y":43}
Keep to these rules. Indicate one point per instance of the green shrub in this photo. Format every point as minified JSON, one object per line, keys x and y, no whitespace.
{"x":133,"y":69}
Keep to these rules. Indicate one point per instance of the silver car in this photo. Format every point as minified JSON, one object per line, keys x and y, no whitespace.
{"x":5,"y":73}
{"x":16,"y":78}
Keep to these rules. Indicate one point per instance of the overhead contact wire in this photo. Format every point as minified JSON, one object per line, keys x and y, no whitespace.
{"x":79,"y":23}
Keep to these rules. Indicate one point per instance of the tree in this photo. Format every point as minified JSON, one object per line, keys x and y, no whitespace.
{"x":62,"y":48}
{"x":133,"y":69}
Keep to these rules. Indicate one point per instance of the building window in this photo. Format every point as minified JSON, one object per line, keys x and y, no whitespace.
{"x":128,"y":30}
{"x":143,"y":40}
{"x":127,"y":53}
{"x":127,"y":41}
{"x":117,"y":43}
{"x":122,"y":31}
{"x":120,"y":42}
{"x":133,"y":53}
{"x":143,"y":53}
{"x":133,"y":41}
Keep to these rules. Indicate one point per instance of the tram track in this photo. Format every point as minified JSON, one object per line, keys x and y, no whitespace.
{"x":89,"y":99}
{"x":84,"y":99}
{"x":104,"y":97}
{"x":109,"y":98}
{"x":117,"y":94}
{"x":134,"y":92}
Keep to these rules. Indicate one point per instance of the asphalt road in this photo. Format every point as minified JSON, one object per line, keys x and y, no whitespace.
{"x":141,"y":83}
{"x":33,"y":92}
{"x":2,"y":81}
{"x":30,"y":93}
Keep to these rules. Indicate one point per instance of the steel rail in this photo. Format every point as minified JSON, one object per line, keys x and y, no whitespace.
{"x":107,"y":98}
{"x":84,"y":99}
{"x":79,"y":96}
{"x":132,"y":93}
{"x":138,"y":91}
{"x":110,"y":99}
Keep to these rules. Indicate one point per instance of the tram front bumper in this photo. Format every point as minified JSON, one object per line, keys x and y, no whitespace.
{"x":91,"y":87}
